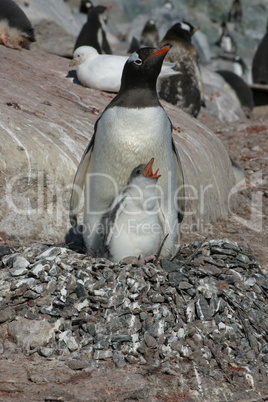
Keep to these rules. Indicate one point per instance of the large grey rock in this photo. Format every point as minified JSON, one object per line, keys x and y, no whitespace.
{"x":31,"y":333}
{"x":45,"y":123}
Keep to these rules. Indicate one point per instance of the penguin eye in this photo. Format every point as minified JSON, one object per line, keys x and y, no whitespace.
{"x":138,"y":62}
{"x":138,"y":172}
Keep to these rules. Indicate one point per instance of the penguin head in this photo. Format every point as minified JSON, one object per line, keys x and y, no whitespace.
{"x":144,"y":171}
{"x":149,"y":26}
{"x":85,"y":5}
{"x":183,"y":30}
{"x":143,"y":67}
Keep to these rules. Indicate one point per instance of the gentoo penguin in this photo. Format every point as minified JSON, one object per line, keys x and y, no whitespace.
{"x":242,"y":90}
{"x":226,"y":42}
{"x":235,"y":13}
{"x":84,"y":6}
{"x":16,"y":31}
{"x":132,"y":128}
{"x":186,"y":89}
{"x":133,"y":224}
{"x":149,"y":34}
{"x":104,"y":71}
{"x":93,"y":32}
{"x":260,"y":62}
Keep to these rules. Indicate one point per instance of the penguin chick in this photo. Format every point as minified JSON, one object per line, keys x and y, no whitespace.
{"x":260,"y":62}
{"x":242,"y":90}
{"x":226,"y":42}
{"x":104,"y":71}
{"x":132,"y":128}
{"x":133,"y":224}
{"x":185,"y":90}
{"x":93,"y":32}
{"x":149,"y":34}
{"x":16,"y":31}
{"x":235,"y":13}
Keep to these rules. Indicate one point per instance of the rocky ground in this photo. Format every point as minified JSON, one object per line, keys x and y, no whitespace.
{"x":193,"y":329}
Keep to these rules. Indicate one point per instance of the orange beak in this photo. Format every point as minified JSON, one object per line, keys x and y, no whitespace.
{"x":163,"y":50}
{"x":148,"y":171}
{"x":196,"y":29}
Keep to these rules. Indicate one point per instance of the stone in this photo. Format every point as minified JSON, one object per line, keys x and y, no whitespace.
{"x":45,"y":352}
{"x":7,"y":314}
{"x":77,"y":364}
{"x":102,"y":354}
{"x":27,"y":332}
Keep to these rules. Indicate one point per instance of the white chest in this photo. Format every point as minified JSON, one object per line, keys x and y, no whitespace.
{"x":128,"y":137}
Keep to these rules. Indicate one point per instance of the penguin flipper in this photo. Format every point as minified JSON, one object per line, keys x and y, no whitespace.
{"x":181,"y":190}
{"x":79,"y":181}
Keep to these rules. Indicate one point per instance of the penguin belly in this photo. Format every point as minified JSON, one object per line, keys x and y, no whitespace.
{"x":126,"y":137}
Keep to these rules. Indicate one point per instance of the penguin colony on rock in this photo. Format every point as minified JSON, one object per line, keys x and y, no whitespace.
{"x":119,"y":183}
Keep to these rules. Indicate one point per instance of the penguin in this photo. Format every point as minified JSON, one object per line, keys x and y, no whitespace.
{"x":226,"y":42}
{"x":185,"y":90}
{"x":16,"y":30}
{"x":149,"y":34}
{"x":235,"y":13}
{"x":84,"y":6}
{"x":132,"y":128}
{"x":104,"y":72}
{"x":242,"y":90}
{"x":260,"y":62}
{"x":133,"y":224}
{"x":93,"y":31}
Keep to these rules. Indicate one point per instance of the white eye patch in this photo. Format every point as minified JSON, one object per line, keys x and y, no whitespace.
{"x":133,"y":57}
{"x":185,"y":26}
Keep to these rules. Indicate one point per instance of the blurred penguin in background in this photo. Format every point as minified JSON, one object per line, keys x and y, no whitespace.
{"x":93,"y":33}
{"x":16,"y":30}
{"x":149,"y":35}
{"x":260,"y":62}
{"x":226,"y":42}
{"x":242,"y":90}
{"x":235,"y":13}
